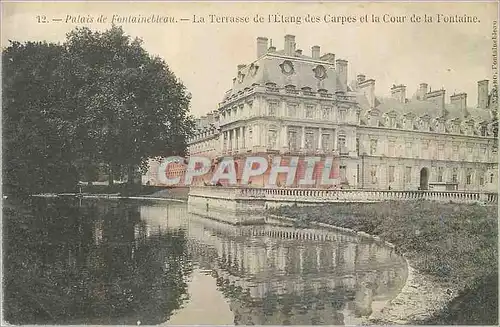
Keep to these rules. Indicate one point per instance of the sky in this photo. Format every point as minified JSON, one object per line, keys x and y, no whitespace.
{"x":204,"y":56}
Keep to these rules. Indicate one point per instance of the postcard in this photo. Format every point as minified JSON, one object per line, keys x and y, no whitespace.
{"x":250,"y":163}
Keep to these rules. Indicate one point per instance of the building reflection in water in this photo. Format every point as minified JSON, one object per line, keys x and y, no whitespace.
{"x":119,"y":262}
{"x":281,"y":275}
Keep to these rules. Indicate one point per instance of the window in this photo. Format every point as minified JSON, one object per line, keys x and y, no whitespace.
{"x":342,"y":114}
{"x":343,"y":173}
{"x":309,"y":141}
{"x":342,"y":143}
{"x":454,"y":175}
{"x":326,"y":142}
{"x":392,"y":146}
{"x":408,"y":175}
{"x":481,"y":179}
{"x":292,"y":140}
{"x":373,"y":147}
{"x":469,"y":176}
{"x":440,"y":174}
{"x":424,"y":125}
{"x":273,"y":108}
{"x":440,"y":150}
{"x":455,"y":151}
{"x":326,"y":113}
{"x":250,"y":136}
{"x":491,"y":177}
{"x":271,"y":139}
{"x":357,"y":146}
{"x":309,"y":111}
{"x":391,"y":177}
{"x":409,"y":123}
{"x":292,"y":110}
{"x":373,"y":174}
{"x":392,"y":122}
{"x":358,"y":174}
{"x":484,"y":130}
{"x":483,"y":152}
{"x":409,"y":147}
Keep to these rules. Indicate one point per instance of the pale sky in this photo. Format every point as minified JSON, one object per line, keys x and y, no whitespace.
{"x":205,"y":56}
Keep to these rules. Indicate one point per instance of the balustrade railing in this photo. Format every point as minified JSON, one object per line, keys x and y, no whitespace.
{"x":327,"y":195}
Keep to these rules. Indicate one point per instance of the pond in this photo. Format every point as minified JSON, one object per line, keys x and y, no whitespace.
{"x":68,"y":261}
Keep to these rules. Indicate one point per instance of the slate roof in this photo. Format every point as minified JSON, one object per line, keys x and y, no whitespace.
{"x":269,"y":71}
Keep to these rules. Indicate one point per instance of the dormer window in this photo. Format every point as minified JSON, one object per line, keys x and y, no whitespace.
{"x":290,"y":89}
{"x":484,"y":130}
{"x":392,"y":121}
{"x":270,"y":86}
{"x":408,"y":123}
{"x":307,"y":91}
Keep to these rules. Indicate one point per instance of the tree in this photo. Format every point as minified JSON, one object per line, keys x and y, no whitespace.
{"x":97,"y":98}
{"x":133,"y":104}
{"x":37,"y":137}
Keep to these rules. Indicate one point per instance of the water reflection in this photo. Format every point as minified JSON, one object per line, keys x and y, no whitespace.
{"x":280,"y":275}
{"x":91,"y":264}
{"x":119,"y":262}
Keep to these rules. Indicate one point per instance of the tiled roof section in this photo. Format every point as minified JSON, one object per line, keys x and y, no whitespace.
{"x":421,"y":108}
{"x":268,"y":70}
{"x":480,"y":114}
{"x":418,"y":108}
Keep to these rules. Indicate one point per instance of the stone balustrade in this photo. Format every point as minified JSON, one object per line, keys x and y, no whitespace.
{"x":330,"y":195}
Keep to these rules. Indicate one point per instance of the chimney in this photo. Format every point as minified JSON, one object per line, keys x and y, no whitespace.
{"x":272,"y":48}
{"x":360,"y":78}
{"x":289,"y":45}
{"x":422,"y":91}
{"x":298,"y":52}
{"x":482,"y":94}
{"x":210,"y":117}
{"x":261,"y":46}
{"x":437,"y":97}
{"x":459,"y":100}
{"x":315,"y":52}
{"x":341,"y":68}
{"x":398,"y":92}
{"x":368,"y":89}
{"x":330,"y":57}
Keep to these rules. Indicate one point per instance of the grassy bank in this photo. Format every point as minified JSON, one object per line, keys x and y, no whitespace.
{"x":454,"y":244}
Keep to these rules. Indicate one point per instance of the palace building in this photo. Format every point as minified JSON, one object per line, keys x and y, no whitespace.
{"x":288,"y":103}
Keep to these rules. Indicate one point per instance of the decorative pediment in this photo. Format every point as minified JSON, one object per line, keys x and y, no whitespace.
{"x":374,"y":112}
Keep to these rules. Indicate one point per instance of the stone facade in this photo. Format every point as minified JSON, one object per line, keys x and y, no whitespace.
{"x":289,"y":104}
